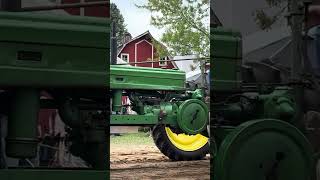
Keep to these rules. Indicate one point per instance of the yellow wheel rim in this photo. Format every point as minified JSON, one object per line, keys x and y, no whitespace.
{"x":186,"y":142}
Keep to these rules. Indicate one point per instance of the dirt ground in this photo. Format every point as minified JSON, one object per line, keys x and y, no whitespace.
{"x":147,"y":162}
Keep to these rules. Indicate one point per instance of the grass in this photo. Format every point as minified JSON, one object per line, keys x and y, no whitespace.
{"x":132,"y":139}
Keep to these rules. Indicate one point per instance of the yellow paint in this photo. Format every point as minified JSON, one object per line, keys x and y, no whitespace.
{"x":186,"y":142}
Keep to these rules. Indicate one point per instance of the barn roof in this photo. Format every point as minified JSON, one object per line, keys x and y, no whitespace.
{"x":120,"y":48}
{"x":133,"y":39}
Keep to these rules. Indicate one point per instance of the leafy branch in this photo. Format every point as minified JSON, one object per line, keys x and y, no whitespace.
{"x":184,"y":21}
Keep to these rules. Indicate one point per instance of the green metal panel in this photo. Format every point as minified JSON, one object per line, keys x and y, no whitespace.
{"x":126,"y":77}
{"x":226,"y":54}
{"x":56,"y":51}
{"x":22,"y":138}
{"x":134,"y":119}
{"x":164,"y":113}
{"x":54,"y":29}
{"x":117,"y":100}
{"x":52,"y":174}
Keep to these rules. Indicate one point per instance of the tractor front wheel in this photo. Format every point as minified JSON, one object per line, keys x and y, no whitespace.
{"x":180,"y":147}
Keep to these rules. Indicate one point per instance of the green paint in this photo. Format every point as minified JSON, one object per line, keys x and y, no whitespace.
{"x":22,"y":141}
{"x":186,"y":112}
{"x":133,"y":120}
{"x":252,"y":125}
{"x":54,"y":51}
{"x":125,"y":77}
{"x":226,"y":54}
{"x":152,"y":115}
{"x":264,"y":149}
{"x":117,"y":101}
{"x":68,"y":55}
{"x":193,"y":116}
{"x":279,"y":104}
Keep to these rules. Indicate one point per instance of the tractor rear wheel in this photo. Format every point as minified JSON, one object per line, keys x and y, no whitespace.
{"x":180,"y":147}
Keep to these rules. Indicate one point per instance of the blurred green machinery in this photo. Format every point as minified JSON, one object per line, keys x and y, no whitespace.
{"x":66,"y":57}
{"x":257,"y":125}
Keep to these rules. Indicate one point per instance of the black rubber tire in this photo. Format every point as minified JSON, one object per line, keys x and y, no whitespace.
{"x":163,"y":143}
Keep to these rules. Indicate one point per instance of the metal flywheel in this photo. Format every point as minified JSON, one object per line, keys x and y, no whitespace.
{"x":264,"y":150}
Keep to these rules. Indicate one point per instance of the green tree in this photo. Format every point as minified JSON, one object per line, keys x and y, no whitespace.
{"x":117,"y":17}
{"x":186,"y":24}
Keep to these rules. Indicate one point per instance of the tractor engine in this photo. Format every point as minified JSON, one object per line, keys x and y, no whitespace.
{"x":278,"y":104}
{"x":255,"y":122}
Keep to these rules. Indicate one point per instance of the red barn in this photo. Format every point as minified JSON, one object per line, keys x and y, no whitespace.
{"x":99,"y":11}
{"x":141,"y":49}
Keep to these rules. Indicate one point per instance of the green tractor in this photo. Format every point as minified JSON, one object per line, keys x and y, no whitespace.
{"x":258,"y":126}
{"x":178,"y":117}
{"x":66,"y":57}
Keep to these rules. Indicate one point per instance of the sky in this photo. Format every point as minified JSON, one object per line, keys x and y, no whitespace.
{"x":137,"y":20}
